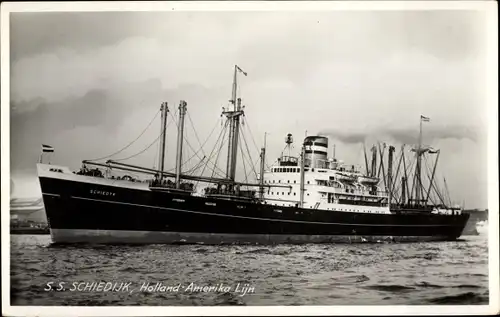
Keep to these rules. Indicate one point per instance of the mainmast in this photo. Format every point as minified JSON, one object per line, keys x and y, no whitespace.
{"x":163,"y":135}
{"x":180,"y":139}
{"x":233,"y":114}
{"x":418,"y":170}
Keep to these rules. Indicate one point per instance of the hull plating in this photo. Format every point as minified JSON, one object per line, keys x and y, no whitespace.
{"x":79,"y":211}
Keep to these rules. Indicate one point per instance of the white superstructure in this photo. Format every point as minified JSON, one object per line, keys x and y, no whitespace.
{"x":328,"y":184}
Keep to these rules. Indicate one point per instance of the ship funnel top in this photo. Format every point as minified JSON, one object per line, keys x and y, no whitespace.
{"x":316,"y":149}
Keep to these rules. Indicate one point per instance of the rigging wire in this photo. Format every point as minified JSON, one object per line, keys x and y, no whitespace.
{"x":254,"y":166}
{"x":248,"y":160}
{"x":149,"y":146}
{"x":213,"y":149}
{"x":395,"y":180}
{"x":156,"y":156}
{"x":215,"y":166}
{"x":173,"y":116}
{"x":128,"y":145}
{"x":399,"y":186}
{"x":249,"y":155}
{"x":196,"y":153}
{"x":139,"y":153}
{"x":215,"y":146}
{"x":195,"y":168}
{"x":195,"y":133}
{"x":220,"y":149}
{"x":436,"y":190}
{"x":206,"y":140}
{"x":243,"y":161}
{"x":251,"y":134}
{"x":447,"y":191}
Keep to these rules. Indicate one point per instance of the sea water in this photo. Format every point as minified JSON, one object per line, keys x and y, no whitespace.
{"x":323,"y":274}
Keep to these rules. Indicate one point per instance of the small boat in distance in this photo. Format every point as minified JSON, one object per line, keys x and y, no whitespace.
{"x":305,"y":197}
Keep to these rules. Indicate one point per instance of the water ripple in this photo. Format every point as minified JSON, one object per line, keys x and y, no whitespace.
{"x":328,"y":274}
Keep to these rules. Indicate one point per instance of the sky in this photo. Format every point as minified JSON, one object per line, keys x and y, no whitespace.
{"x":90,"y":83}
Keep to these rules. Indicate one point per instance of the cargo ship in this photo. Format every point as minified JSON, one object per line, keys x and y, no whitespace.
{"x":305,"y":197}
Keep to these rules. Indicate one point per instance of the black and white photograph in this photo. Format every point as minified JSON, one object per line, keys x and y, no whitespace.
{"x":340,"y":157}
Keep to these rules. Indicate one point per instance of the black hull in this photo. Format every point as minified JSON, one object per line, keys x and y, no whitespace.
{"x":29,"y":231}
{"x":91,"y":212}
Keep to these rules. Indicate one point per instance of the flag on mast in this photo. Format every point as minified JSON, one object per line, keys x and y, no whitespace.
{"x":424,"y":119}
{"x":47,"y":148}
{"x":241,"y":70}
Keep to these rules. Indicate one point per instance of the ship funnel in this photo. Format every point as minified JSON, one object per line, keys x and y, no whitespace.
{"x":316,"y":150}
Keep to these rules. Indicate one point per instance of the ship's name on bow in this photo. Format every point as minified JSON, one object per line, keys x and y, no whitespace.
{"x":101,"y":192}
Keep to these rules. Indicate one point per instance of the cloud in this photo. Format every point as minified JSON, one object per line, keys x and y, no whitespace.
{"x":102,"y":121}
{"x":456,"y":132}
{"x":405,"y":136}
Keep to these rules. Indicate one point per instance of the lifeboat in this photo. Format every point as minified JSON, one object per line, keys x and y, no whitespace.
{"x":368,"y":180}
{"x":345,"y":177}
